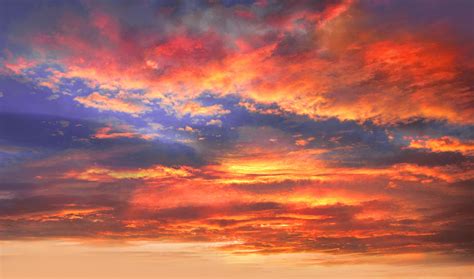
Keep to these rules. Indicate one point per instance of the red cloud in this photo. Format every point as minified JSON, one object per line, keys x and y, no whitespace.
{"x":330,"y":77}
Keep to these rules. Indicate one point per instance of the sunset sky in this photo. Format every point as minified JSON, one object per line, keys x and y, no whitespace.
{"x":236,"y":139}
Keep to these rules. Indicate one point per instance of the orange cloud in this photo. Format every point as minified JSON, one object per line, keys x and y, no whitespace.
{"x":195,"y":109}
{"x":104,"y":174}
{"x":108,"y":133}
{"x":444,"y":144}
{"x":263,"y":190}
{"x":304,"y":142}
{"x":363,"y":79}
{"x":103,"y":102}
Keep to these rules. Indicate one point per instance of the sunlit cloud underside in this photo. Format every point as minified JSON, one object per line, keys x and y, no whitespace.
{"x":253,"y":139}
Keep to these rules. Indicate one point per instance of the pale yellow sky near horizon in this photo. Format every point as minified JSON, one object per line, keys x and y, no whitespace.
{"x":145,"y":259}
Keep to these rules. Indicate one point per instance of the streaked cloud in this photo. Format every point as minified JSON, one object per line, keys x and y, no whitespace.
{"x":327,"y":132}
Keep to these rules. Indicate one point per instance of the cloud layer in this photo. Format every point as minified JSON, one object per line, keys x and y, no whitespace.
{"x":272,"y":126}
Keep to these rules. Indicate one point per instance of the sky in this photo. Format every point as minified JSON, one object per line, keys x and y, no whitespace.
{"x":236,"y":139}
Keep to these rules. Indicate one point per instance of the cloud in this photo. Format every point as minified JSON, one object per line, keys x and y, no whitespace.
{"x":284,"y":127}
{"x":216,"y":122}
{"x":444,"y":144}
{"x":334,"y":74}
{"x":194,"y":109}
{"x":102,"y":102}
{"x":92,"y":141}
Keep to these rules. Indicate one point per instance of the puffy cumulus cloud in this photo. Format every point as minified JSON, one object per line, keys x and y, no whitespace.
{"x":304,"y":57}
